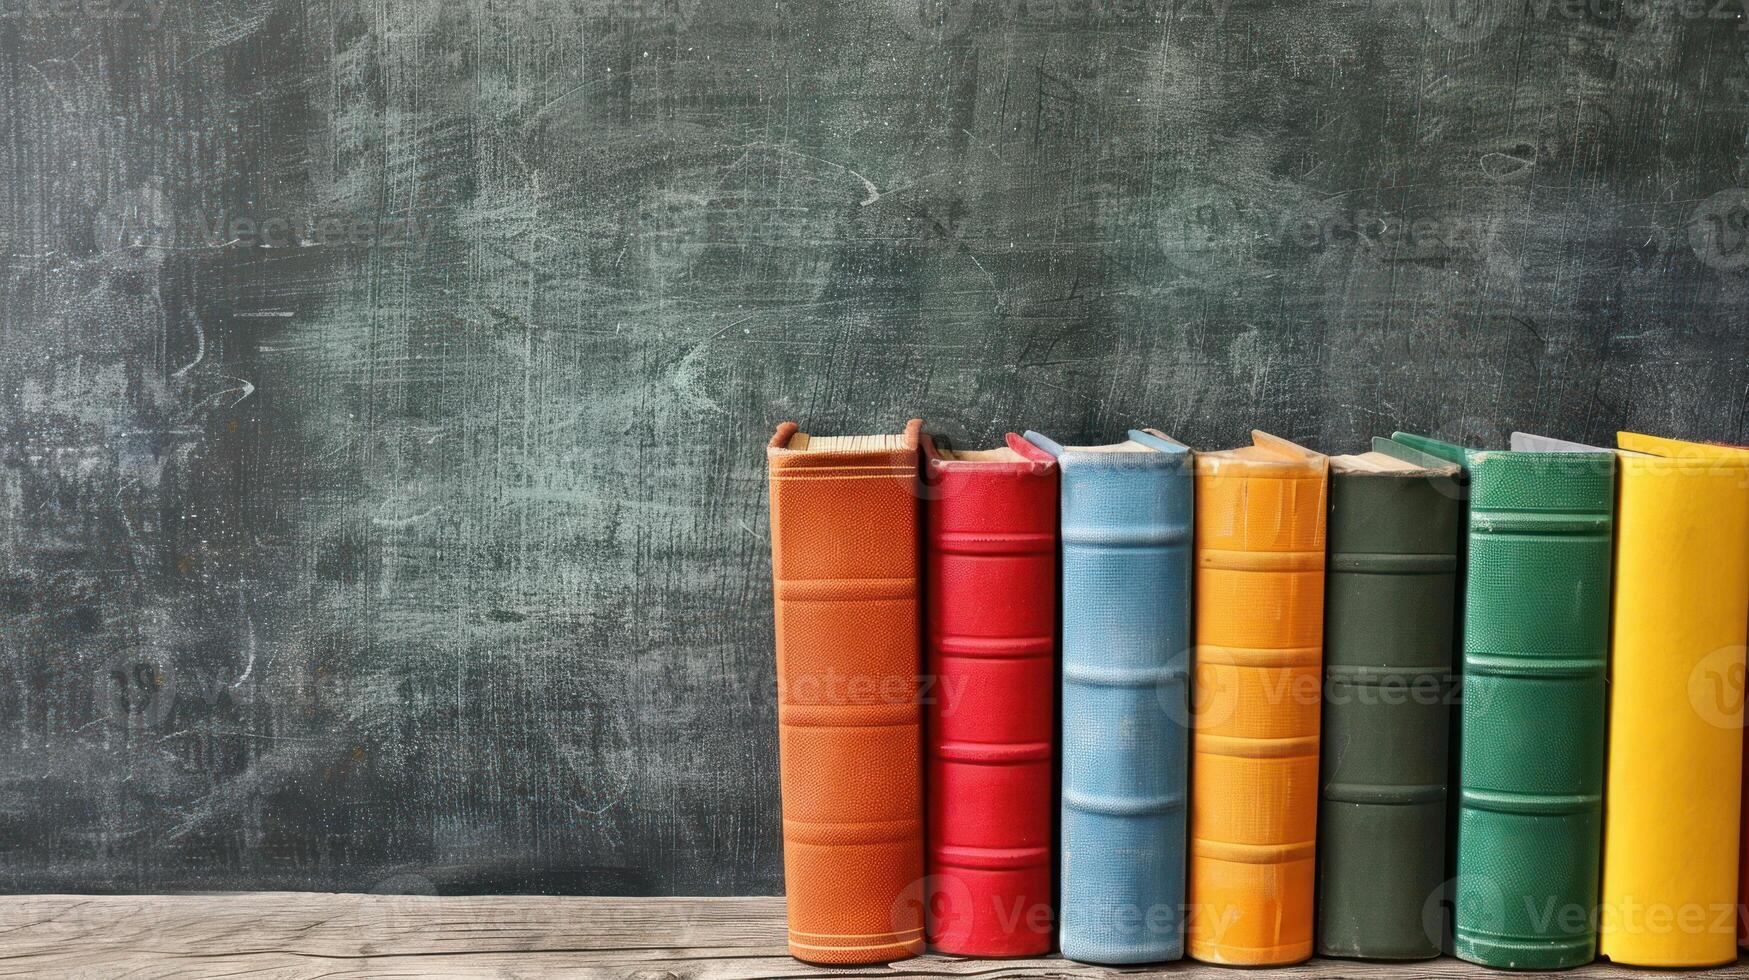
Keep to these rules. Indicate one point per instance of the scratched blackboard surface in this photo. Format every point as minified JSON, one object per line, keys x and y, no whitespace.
{"x":383,"y":386}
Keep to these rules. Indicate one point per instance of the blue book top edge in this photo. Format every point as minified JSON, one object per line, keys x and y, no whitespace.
{"x":1165,"y":454}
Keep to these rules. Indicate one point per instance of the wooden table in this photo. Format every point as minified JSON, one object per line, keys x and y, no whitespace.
{"x":294,"y":934}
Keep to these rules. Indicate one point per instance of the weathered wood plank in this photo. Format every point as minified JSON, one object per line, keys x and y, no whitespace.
{"x":310,"y":935}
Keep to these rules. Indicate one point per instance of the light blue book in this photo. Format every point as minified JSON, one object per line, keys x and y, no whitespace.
{"x":1126,"y":533}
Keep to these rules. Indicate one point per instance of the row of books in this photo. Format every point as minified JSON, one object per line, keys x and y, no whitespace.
{"x":1261,"y":750}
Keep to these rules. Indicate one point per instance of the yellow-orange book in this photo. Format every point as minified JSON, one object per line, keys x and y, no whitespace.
{"x":1670,"y":829}
{"x":1260,"y":515}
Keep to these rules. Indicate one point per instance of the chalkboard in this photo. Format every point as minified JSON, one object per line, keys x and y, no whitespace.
{"x":383,"y":386}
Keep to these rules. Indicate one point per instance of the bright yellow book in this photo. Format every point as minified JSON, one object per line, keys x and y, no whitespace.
{"x":1670,"y":833}
{"x":1260,"y":516}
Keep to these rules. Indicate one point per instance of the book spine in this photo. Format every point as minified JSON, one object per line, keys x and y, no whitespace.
{"x":991,"y":568}
{"x":844,"y":565}
{"x":1259,"y":620}
{"x":1388,"y":619}
{"x":1535,"y":642}
{"x":1681,"y":612}
{"x":1422,"y":451}
{"x":1126,"y":604}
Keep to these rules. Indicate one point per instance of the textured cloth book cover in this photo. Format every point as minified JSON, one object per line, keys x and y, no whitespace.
{"x":1681,"y":612}
{"x":1439,"y":913}
{"x":1126,"y":514}
{"x":1536,"y":622}
{"x":991,"y":568}
{"x":844,"y":563}
{"x":1260,"y":522}
{"x":1390,"y":596}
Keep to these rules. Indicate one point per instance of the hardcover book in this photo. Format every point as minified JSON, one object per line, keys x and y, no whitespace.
{"x":1390,"y":596}
{"x":991,"y":613}
{"x":844,"y":562}
{"x":1126,"y":513}
{"x":1438,"y":917}
{"x":1681,"y":619}
{"x":1260,"y":523}
{"x":1536,"y":622}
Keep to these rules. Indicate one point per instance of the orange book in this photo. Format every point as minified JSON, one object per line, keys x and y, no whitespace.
{"x":844,"y":557}
{"x":1260,"y":514}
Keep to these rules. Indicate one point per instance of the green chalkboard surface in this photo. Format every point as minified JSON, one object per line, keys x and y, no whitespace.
{"x":383,"y":386}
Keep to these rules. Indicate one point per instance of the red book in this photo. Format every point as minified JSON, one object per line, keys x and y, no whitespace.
{"x":991,"y":568}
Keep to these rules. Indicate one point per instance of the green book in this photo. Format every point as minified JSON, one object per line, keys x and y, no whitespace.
{"x":1390,"y":598}
{"x":1438,"y":912}
{"x":1536,"y":627}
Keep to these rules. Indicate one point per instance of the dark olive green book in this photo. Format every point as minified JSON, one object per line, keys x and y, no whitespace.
{"x":1390,"y":601}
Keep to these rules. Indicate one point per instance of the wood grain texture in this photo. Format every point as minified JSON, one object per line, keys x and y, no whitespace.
{"x":382,"y":385}
{"x":303,"y":934}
